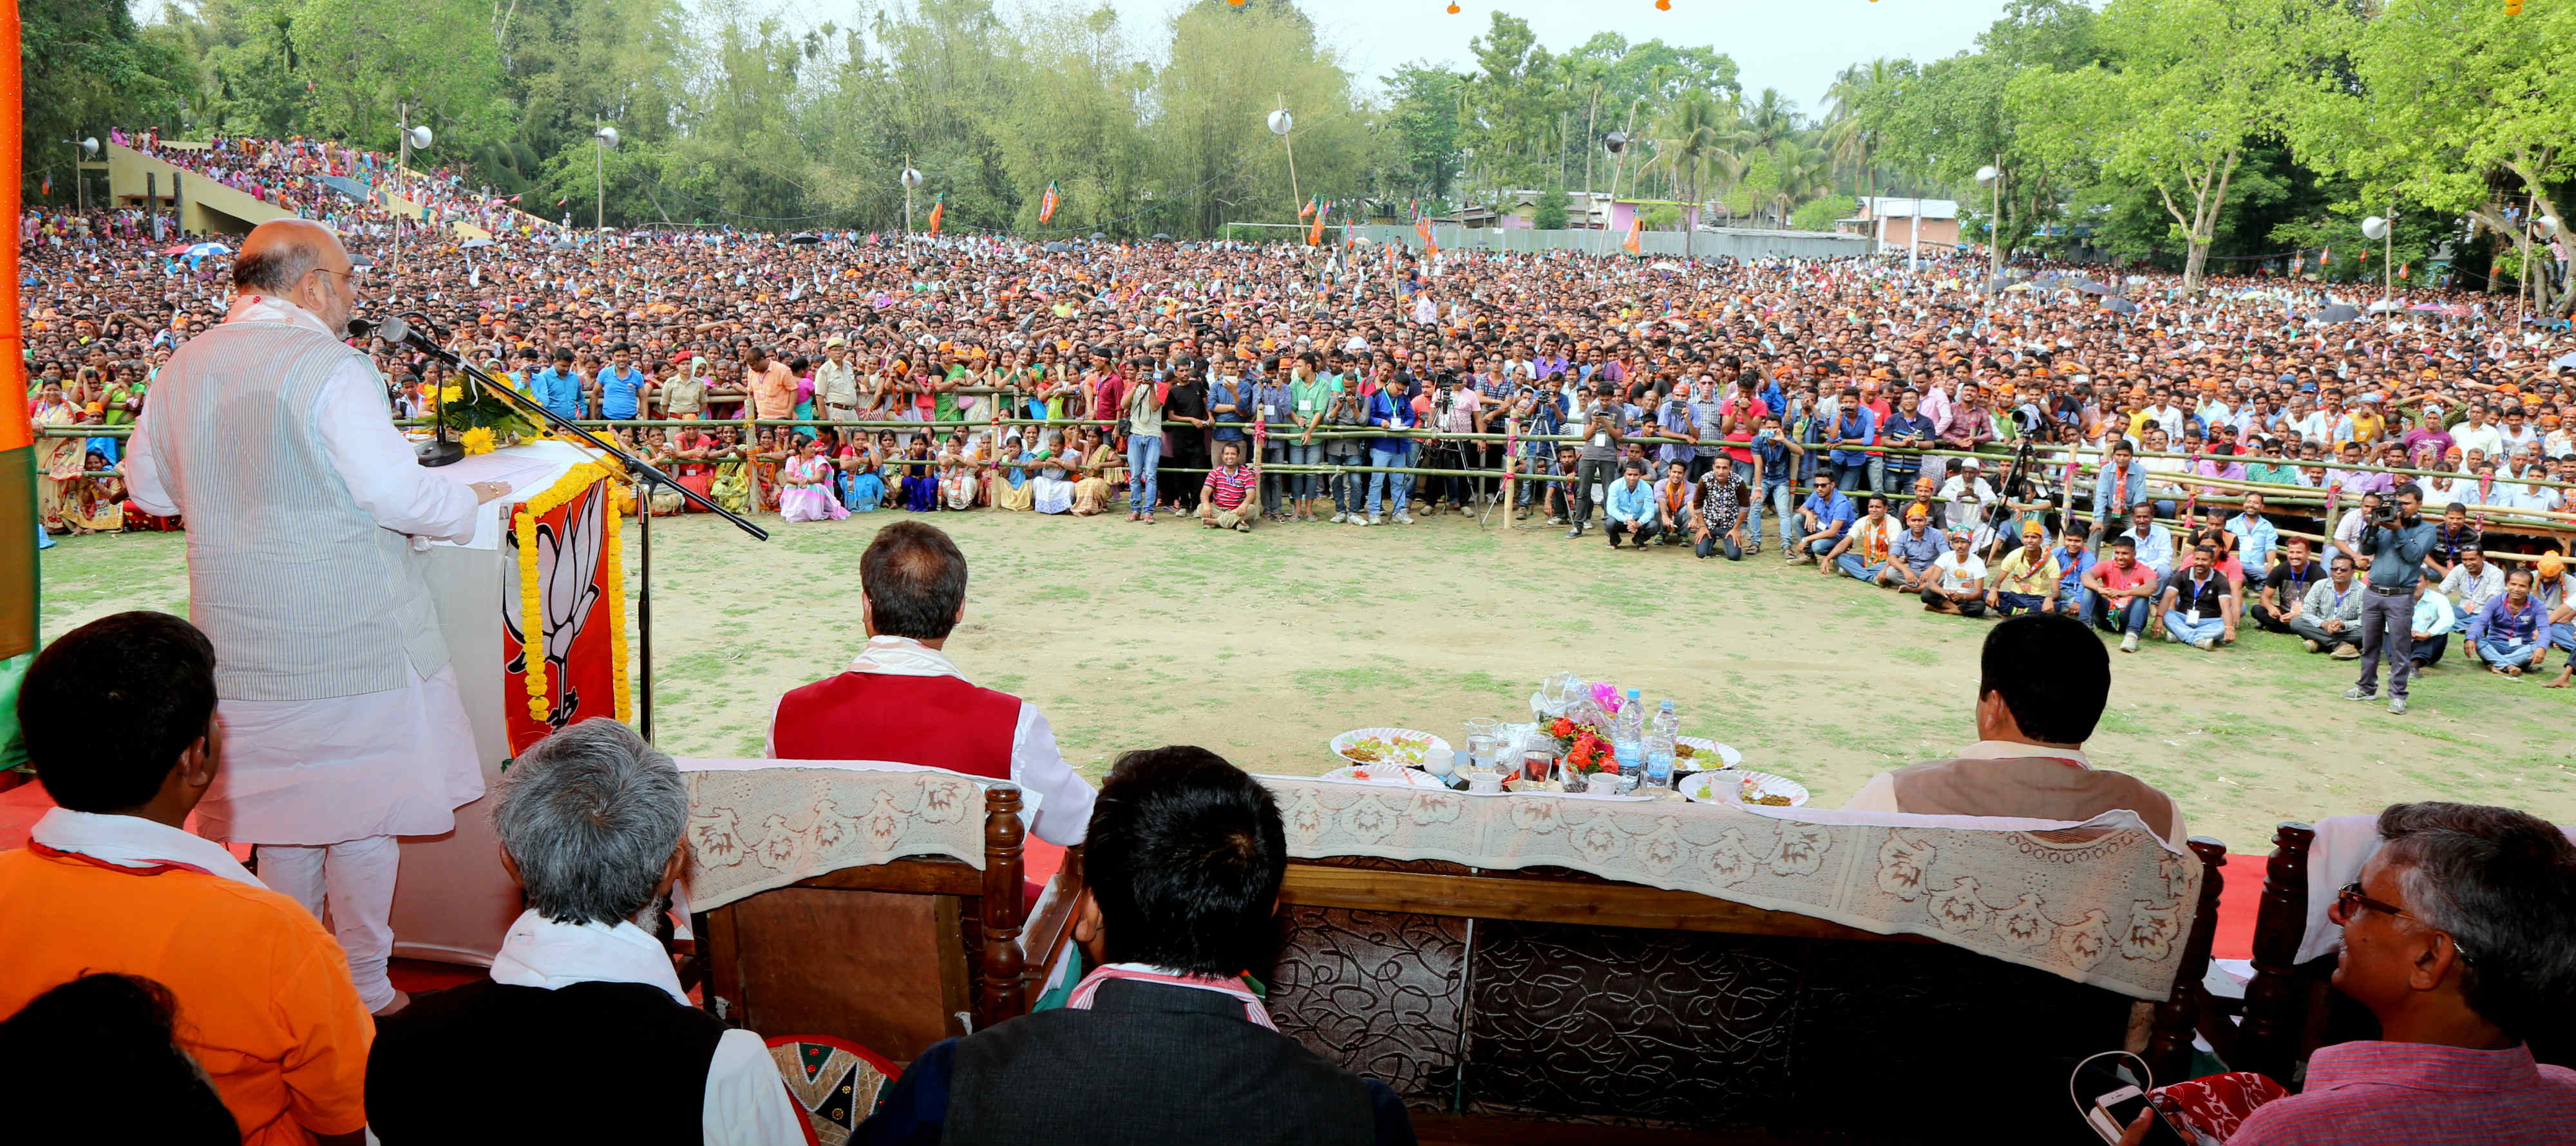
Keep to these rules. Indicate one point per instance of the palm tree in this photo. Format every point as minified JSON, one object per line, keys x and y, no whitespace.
{"x":1692,"y":135}
{"x":1805,"y":172}
{"x":1771,"y":120}
{"x":1850,"y":129}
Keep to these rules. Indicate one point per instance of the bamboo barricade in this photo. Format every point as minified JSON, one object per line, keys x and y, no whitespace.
{"x":2511,"y":520}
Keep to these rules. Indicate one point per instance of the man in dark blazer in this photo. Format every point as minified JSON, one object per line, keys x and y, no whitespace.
{"x":1161,"y":1042}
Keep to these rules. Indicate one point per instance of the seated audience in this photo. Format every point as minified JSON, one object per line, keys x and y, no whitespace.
{"x":2329,"y":619}
{"x":111,"y":882}
{"x":2043,"y":683}
{"x":2456,"y":938}
{"x":103,"y":1048}
{"x":591,"y":821}
{"x":903,"y":701}
{"x":1162,"y":1042}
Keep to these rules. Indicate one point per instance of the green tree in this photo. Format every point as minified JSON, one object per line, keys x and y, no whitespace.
{"x":86,"y":67}
{"x":2195,"y":84}
{"x":1819,"y":214}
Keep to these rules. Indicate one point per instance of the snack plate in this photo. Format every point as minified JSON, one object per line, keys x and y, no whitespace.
{"x":1702,"y":744}
{"x":1404,"y":755}
{"x":1720,"y":787}
{"x":1384,"y":774}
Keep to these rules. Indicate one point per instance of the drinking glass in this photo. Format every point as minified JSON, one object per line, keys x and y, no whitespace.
{"x":1536,"y":763}
{"x":1483,"y":733}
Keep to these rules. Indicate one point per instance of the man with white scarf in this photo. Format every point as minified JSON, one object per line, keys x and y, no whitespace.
{"x":308,"y":524}
{"x":903,"y":704}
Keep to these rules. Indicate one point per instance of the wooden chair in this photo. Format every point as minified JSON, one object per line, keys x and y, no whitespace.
{"x":1549,"y":1005}
{"x":893,"y":956}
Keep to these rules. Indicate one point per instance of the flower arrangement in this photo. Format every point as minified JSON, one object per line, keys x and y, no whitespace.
{"x":484,"y":424}
{"x":1580,"y":746}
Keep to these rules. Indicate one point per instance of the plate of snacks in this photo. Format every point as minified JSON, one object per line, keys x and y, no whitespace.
{"x":1395,"y":774}
{"x":1400,"y":747}
{"x":1699,"y":753}
{"x":1739,"y":787}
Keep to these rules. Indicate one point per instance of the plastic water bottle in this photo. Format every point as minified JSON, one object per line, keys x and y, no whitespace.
{"x":1628,"y":742}
{"x":1659,"y":745}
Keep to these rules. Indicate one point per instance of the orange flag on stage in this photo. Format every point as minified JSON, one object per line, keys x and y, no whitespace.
{"x":18,"y":525}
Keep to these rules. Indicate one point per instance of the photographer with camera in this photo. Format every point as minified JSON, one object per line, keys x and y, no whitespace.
{"x":2397,"y":538}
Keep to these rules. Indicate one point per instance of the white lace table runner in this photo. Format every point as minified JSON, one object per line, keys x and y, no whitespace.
{"x":2108,"y":905}
{"x":754,"y":829}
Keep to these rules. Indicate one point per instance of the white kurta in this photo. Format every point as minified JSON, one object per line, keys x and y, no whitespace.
{"x":395,"y":762}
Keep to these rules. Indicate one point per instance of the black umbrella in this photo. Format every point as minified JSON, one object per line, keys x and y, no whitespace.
{"x":2339,"y":313}
{"x":1160,"y":235}
{"x":2119,"y":306}
{"x":1097,"y":236}
{"x":560,"y":245}
{"x":2088,"y":286}
{"x":1057,"y":248}
{"x":805,"y":237}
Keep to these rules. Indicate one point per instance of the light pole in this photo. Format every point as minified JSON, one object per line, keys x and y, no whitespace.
{"x":2384,"y":229}
{"x":1617,"y":144}
{"x":1281,"y":123}
{"x":411,"y":137}
{"x":82,"y":148}
{"x":605,"y":137}
{"x":1992,"y":176}
{"x":910,"y":179}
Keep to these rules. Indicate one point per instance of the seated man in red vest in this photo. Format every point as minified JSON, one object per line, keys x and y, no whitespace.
{"x":904,"y":702}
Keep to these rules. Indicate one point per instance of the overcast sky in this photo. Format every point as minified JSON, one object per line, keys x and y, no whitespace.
{"x":1795,"y":47}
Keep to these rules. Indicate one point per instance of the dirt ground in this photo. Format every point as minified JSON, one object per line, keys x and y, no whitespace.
{"x":1263,"y":646}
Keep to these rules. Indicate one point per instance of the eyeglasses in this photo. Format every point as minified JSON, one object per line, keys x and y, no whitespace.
{"x":2348,"y":899}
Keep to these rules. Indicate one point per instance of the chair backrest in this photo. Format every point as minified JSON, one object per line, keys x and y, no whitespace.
{"x":832,"y":934}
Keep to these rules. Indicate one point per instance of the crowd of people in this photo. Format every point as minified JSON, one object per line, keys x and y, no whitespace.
{"x":2206,"y":464}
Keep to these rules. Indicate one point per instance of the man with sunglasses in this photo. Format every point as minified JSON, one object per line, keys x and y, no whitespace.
{"x":2456,"y":938}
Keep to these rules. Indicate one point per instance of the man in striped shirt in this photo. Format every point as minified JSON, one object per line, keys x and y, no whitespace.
{"x":1221,"y":497}
{"x":2456,"y":938}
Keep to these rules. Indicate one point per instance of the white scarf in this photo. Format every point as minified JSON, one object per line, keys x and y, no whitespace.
{"x":539,"y":952}
{"x":135,"y":842}
{"x":903,"y":656}
{"x":270,"y":308}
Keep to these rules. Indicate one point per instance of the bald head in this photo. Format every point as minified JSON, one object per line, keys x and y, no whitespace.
{"x":280,"y":252}
{"x":302,"y":262}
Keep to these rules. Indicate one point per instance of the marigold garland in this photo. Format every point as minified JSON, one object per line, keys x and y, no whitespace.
{"x":532,"y":618}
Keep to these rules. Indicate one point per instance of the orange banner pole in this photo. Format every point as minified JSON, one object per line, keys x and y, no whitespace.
{"x":18,"y":525}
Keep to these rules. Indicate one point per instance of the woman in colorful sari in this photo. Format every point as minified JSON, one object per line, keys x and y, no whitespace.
{"x":920,"y":483}
{"x":1101,"y":470}
{"x":664,"y":456}
{"x":856,"y":480}
{"x":690,"y":448}
{"x":806,"y":487}
{"x":58,"y":460}
{"x":732,"y":485}
{"x":767,"y":459}
{"x":1008,"y":485}
{"x":95,"y":505}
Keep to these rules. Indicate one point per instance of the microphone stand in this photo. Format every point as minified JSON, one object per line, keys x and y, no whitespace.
{"x":645,"y":476}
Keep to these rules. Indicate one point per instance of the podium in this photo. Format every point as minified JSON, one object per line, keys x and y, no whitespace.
{"x":549,"y":551}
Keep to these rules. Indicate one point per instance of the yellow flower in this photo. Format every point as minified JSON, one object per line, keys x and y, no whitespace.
{"x":538,"y":711}
{"x":451,"y":395}
{"x":477,"y":440}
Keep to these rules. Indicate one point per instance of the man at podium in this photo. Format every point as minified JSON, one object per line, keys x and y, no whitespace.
{"x":307,"y":520}
{"x":903,"y":701}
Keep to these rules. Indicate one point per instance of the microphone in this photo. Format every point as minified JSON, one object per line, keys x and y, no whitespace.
{"x":391,"y":328}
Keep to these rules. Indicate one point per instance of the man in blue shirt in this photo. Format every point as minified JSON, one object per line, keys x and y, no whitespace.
{"x":2073,"y":599}
{"x":2121,"y":483}
{"x":558,"y":387}
{"x":620,"y":383}
{"x":1855,"y":428}
{"x":1906,"y":427}
{"x":2396,"y":550}
{"x":1391,"y":410}
{"x":1632,"y":507}
{"x":2255,"y":538}
{"x":1822,"y":519}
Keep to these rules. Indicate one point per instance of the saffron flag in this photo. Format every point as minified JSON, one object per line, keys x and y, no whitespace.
{"x":1636,"y":241}
{"x":938,"y":207}
{"x":1316,"y":234}
{"x":1422,"y":227}
{"x":2325,"y":256}
{"x":2401,"y":269}
{"x":1046,"y":206}
{"x":1306,"y":210}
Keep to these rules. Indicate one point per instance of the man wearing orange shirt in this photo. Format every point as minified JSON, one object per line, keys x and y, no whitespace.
{"x":771,"y":386}
{"x":110,"y":882}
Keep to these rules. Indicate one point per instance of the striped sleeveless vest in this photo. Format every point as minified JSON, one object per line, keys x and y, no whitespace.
{"x":303,"y":594}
